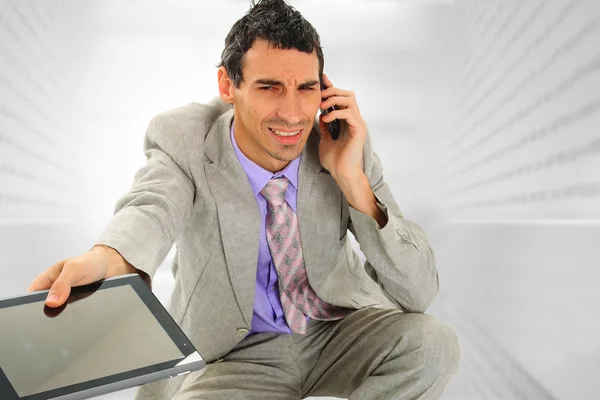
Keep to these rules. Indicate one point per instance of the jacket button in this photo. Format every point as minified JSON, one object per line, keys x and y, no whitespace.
{"x":403,"y":236}
{"x":243,"y":330}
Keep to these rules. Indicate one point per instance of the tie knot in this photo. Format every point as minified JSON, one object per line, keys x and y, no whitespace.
{"x":274,"y":191}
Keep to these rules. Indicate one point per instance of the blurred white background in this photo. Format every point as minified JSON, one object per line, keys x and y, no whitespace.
{"x":485,"y":114}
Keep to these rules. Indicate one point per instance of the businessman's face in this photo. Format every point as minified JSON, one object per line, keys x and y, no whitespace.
{"x":276,"y":104}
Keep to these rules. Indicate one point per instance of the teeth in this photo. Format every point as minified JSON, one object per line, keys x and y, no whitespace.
{"x":278,"y":133}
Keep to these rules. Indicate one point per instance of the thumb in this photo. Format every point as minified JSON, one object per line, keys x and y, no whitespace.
{"x":59,"y":292}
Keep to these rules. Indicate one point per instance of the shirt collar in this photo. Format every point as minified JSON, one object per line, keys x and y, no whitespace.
{"x":258,"y":176}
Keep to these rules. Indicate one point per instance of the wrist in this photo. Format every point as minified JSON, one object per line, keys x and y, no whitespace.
{"x":348,"y":177}
{"x":356,"y":190}
{"x":117,"y":265}
{"x":359,"y":195}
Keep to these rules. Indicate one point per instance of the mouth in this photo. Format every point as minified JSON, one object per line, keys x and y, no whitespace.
{"x":286,"y":136}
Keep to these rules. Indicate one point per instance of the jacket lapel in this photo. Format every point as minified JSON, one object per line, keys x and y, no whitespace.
{"x":319,"y":212}
{"x":237,"y":210}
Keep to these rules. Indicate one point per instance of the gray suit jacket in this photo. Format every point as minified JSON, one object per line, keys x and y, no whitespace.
{"x":193,"y":192}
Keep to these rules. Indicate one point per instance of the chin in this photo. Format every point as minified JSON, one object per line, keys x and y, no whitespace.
{"x":286,"y":153}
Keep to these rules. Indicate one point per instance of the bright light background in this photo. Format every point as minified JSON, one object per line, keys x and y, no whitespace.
{"x":485,"y":116}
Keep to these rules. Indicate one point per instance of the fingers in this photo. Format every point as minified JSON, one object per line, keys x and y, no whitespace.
{"x":333,"y":91}
{"x":45,"y":280}
{"x":327,"y":81}
{"x":58,"y":279}
{"x":345,"y":114}
{"x":345,"y":102}
{"x":61,"y":288}
{"x":336,"y":96}
{"x":346,"y":107}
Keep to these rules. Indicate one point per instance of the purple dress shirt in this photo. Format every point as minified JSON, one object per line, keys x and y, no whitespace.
{"x":268,"y":314}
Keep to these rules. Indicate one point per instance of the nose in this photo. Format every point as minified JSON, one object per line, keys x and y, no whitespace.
{"x":290,"y":109}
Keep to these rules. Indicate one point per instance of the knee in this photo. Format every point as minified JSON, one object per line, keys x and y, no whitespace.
{"x":442,"y":347}
{"x":436,"y":343}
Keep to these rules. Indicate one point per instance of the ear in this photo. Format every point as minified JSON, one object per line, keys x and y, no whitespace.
{"x":225,"y":85}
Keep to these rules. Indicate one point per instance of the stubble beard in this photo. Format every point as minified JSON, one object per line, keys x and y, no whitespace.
{"x":287,"y":153}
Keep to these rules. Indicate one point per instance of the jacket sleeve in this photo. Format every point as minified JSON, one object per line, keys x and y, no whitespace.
{"x":398,"y":256}
{"x":148,"y":218}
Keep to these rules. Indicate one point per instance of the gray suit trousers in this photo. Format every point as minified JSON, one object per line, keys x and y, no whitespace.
{"x":373,"y":353}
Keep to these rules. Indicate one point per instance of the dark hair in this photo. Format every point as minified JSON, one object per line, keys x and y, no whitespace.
{"x":275,"y":21}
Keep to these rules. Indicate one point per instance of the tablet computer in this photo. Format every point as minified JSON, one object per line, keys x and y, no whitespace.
{"x":110,"y":335}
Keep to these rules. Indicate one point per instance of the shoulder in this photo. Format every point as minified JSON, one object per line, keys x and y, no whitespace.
{"x":181,"y":131}
{"x":191,"y":118}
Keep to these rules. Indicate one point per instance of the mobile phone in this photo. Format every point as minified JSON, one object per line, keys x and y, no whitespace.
{"x":333,"y":126}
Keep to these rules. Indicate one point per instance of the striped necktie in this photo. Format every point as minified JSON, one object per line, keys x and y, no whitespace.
{"x":283,"y":236}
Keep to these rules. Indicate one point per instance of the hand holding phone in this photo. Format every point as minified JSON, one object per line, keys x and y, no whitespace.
{"x":333,"y":126}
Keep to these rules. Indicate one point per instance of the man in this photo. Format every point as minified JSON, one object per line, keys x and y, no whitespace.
{"x":259,"y":199}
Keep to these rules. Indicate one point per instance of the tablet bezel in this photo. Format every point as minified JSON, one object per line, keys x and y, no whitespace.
{"x":154,"y":306}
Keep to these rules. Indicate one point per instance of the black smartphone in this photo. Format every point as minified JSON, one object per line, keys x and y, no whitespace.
{"x":333,"y":126}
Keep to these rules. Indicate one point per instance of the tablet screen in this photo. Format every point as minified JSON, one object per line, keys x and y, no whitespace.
{"x":106,"y":333}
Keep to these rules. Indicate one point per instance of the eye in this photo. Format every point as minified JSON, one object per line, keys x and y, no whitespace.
{"x":266,"y":88}
{"x":307,"y":88}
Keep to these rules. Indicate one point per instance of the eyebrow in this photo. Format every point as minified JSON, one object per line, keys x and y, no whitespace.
{"x":274,"y":82}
